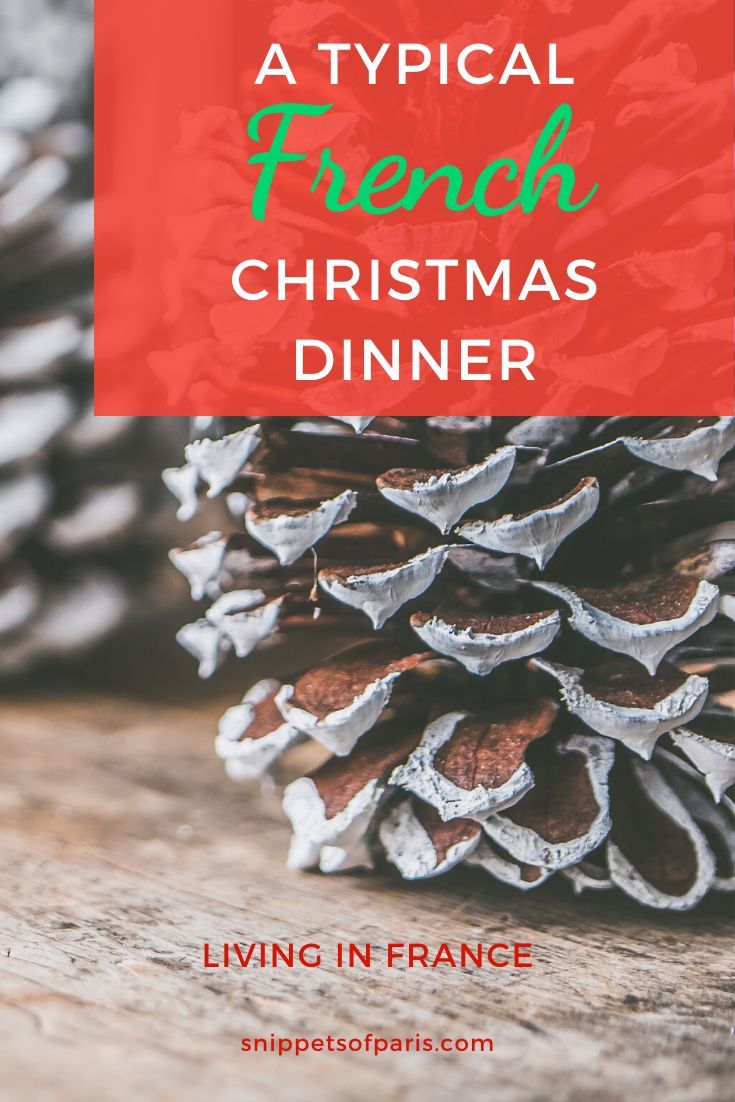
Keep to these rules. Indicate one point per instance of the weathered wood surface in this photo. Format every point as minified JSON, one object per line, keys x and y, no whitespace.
{"x":123,"y":848}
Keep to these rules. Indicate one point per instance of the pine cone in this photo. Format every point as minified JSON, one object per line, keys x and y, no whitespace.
{"x":534,"y":603}
{"x":49,"y":39}
{"x":74,"y":489}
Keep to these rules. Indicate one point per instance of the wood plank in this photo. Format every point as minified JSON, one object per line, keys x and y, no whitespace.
{"x":123,"y":848}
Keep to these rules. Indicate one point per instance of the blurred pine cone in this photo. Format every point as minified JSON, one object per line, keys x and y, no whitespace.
{"x":535,"y":606}
{"x":74,"y":489}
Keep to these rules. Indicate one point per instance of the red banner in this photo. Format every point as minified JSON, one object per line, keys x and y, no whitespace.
{"x":312,"y":208}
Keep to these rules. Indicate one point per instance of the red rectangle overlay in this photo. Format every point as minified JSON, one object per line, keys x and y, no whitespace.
{"x":414,"y":208}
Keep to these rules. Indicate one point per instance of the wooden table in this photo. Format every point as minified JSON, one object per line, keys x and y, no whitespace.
{"x":123,"y":848}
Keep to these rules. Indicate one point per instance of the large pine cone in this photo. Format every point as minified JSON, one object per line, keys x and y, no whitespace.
{"x":537,"y":602}
{"x":74,"y":489}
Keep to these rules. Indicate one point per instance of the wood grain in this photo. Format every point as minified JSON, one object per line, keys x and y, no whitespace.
{"x":123,"y":848}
